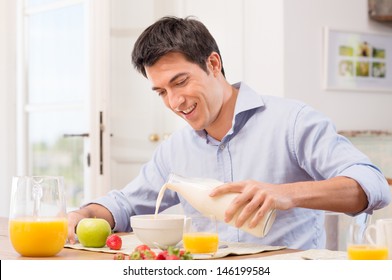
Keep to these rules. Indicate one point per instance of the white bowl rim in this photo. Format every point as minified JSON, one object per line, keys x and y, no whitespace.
{"x":160,"y":216}
{"x":164,"y":221}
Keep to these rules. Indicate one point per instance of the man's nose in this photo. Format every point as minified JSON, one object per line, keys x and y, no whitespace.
{"x":175,"y":100}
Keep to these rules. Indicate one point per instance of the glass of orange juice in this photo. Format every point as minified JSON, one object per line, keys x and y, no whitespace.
{"x":38,"y":223}
{"x":200,"y":235}
{"x":359,"y":247}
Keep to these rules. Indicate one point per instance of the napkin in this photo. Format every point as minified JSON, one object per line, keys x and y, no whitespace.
{"x":130,"y":241}
{"x":237,"y":248}
{"x":312,"y":254}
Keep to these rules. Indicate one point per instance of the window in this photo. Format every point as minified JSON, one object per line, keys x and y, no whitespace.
{"x":55,"y":101}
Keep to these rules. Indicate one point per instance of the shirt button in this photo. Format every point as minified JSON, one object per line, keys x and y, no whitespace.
{"x":222,"y":146}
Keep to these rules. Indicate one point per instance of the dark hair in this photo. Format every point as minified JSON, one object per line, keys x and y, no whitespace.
{"x":171,"y":34}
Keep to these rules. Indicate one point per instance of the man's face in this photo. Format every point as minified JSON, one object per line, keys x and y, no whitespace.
{"x":188,"y":90}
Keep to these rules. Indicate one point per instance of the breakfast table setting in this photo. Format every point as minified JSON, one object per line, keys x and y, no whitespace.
{"x":37,"y":228}
{"x":226,"y":250}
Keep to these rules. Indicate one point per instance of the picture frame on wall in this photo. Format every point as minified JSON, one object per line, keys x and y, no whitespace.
{"x":357,"y":61}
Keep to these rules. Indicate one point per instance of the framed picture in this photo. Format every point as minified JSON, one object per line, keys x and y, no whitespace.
{"x":357,"y":61}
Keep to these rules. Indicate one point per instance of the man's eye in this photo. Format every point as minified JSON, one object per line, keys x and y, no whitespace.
{"x":160,"y":92}
{"x":182,"y":82}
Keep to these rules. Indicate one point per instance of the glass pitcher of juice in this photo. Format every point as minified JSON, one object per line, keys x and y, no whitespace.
{"x":38,"y":223}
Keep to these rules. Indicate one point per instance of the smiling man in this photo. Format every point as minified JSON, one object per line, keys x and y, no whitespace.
{"x":274,"y":153}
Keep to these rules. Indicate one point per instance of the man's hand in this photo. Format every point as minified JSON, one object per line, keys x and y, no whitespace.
{"x":90,"y":211}
{"x":253,"y":197}
{"x":73,"y":219}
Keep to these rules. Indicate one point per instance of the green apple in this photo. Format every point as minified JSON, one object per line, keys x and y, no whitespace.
{"x":92,"y":232}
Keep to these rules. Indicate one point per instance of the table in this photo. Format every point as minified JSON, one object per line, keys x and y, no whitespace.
{"x":7,"y":252}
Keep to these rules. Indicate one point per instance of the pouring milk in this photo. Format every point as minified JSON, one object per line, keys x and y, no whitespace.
{"x":196,"y":191}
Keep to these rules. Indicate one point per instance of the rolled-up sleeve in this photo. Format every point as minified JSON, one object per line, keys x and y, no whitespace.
{"x":373,"y":183}
{"x":324,"y":154}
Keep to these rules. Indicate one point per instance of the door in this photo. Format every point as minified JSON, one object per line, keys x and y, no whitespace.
{"x":138,"y":118}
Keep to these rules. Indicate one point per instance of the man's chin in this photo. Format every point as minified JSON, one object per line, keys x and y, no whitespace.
{"x":194,"y":126}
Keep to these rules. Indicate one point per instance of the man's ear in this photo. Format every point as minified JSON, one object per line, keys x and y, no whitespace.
{"x":214,"y":63}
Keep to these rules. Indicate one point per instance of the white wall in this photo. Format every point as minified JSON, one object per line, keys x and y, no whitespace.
{"x":263,"y":36}
{"x":303,"y":23}
{"x":220,"y":17}
{"x":7,"y":102}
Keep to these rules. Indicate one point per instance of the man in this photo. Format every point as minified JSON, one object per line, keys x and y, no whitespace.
{"x":275,"y":153}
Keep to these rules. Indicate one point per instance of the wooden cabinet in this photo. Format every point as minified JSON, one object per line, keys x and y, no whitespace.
{"x":380,"y":10}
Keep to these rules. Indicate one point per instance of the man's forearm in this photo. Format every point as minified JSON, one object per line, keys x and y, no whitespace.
{"x":339,"y":194}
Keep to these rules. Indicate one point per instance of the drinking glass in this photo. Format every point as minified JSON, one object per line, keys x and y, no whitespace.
{"x":359,"y":247}
{"x":38,"y":223}
{"x":200,"y":235}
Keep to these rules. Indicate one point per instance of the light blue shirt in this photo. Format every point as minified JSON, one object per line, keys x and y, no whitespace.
{"x":272,"y":140}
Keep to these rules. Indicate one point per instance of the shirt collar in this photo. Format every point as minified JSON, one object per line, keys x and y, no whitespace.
{"x":247,"y":101}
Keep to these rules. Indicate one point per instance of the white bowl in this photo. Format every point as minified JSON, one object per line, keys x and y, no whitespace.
{"x":161,"y":231}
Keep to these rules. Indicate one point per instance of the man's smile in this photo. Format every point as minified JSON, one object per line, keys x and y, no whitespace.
{"x":189,"y":110}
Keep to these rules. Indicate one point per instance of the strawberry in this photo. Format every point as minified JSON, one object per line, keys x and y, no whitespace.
{"x":135,"y":255}
{"x":162,"y":255}
{"x":143,"y":247}
{"x":173,"y":253}
{"x":148,"y":255}
{"x":114,"y":242}
{"x":120,"y":256}
{"x":185,"y":255}
{"x":172,"y":257}
{"x":143,"y":252}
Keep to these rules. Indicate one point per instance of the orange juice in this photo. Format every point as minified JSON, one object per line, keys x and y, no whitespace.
{"x":200,"y":242}
{"x":366,"y":252}
{"x":39,"y":237}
